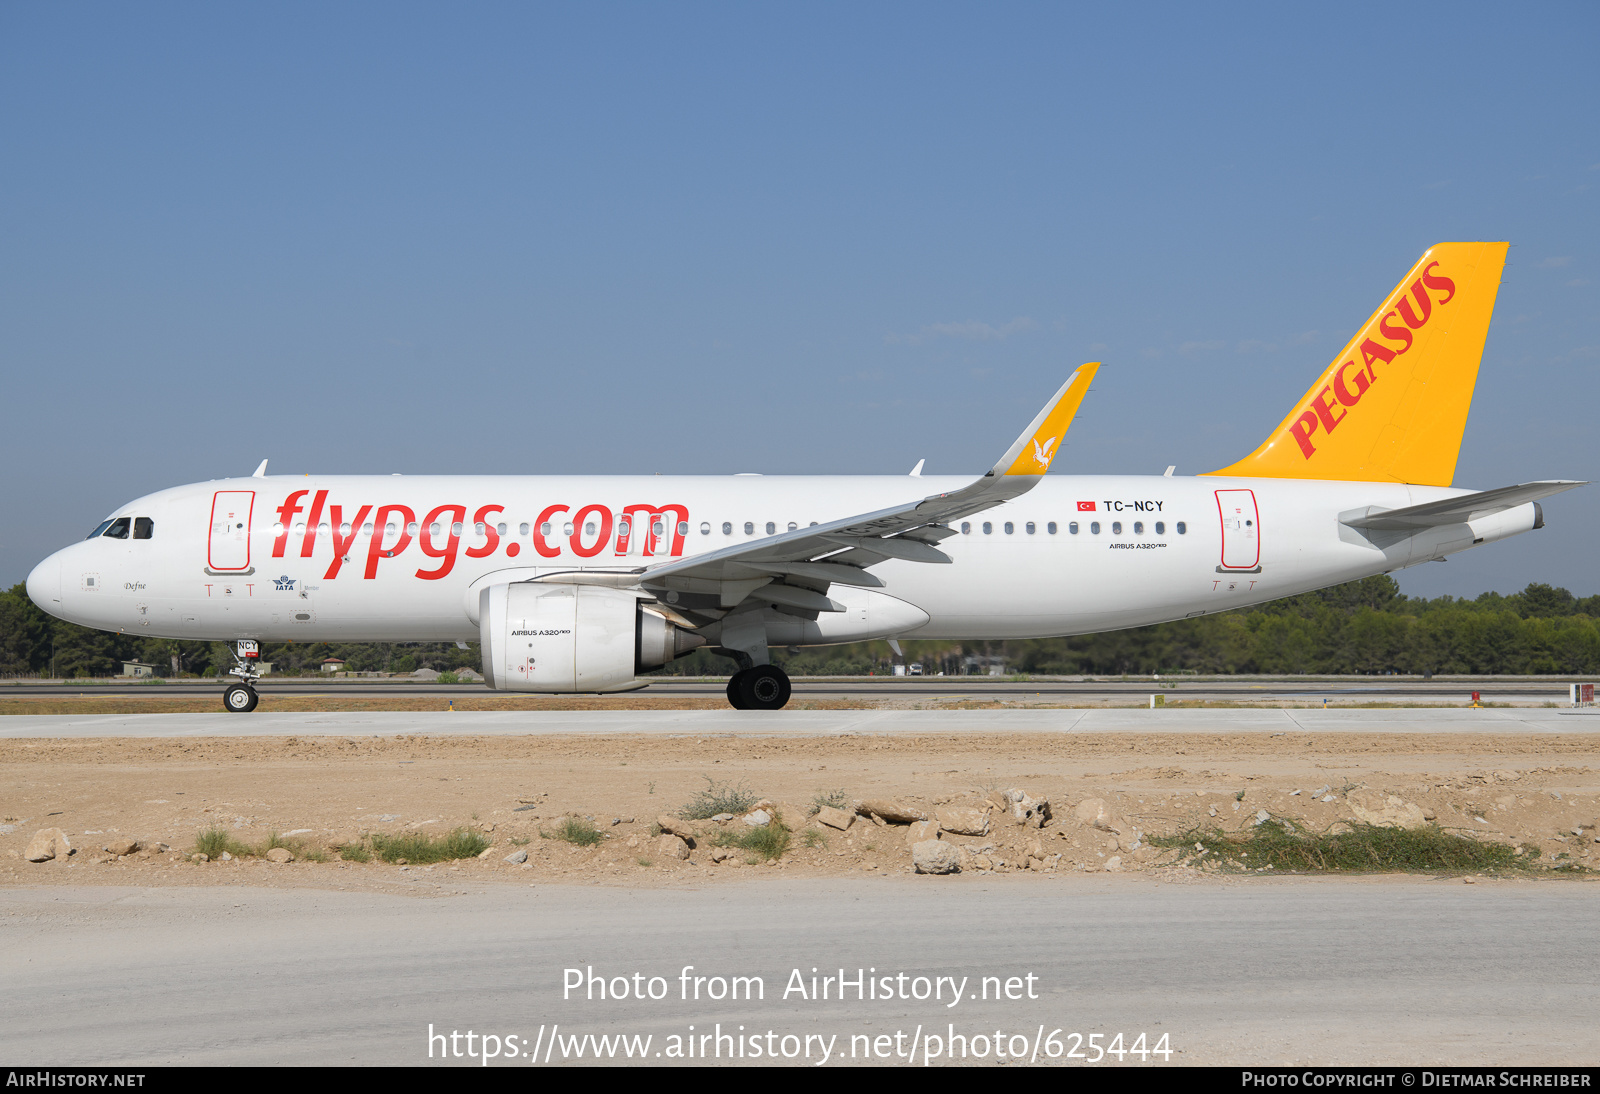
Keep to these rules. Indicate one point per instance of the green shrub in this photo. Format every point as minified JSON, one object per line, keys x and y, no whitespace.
{"x":575,"y":830}
{"x":418,"y":848}
{"x":1284,"y":845}
{"x":718,"y":798}
{"x":769,"y":841}
{"x":216,"y":840}
{"x":834,"y":799}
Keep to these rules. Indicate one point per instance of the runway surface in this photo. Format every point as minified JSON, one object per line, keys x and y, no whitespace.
{"x":1332,"y":971}
{"x":803,"y":723}
{"x":1499,"y":689}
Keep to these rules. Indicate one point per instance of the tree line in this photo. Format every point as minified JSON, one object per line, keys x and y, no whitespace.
{"x":1364,"y":627}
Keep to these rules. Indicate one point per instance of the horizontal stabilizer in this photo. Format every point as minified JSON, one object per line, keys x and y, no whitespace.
{"x":1457,"y":510}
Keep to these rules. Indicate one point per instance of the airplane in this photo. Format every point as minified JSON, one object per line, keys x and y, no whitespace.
{"x":586,"y":583}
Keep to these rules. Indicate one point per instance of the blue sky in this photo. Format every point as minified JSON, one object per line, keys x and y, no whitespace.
{"x":531,"y":239}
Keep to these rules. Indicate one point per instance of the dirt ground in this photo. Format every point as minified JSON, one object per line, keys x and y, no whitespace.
{"x":1541,"y":792}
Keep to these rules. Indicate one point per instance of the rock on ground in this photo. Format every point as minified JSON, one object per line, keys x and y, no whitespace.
{"x":935,"y":857}
{"x":892,"y":811}
{"x":674,"y":827}
{"x":1026,"y":810}
{"x":965,"y":822}
{"x":1382,"y":810}
{"x":48,"y":843}
{"x":834,"y":818}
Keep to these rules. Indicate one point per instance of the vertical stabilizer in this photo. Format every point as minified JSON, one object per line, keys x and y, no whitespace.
{"x":1393,"y":405}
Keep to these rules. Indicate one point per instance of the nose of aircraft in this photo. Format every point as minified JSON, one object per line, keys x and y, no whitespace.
{"x":44,"y":584}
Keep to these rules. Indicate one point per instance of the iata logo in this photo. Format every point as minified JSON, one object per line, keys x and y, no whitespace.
{"x":1351,"y":381}
{"x":284,"y":584}
{"x":1042,"y":454}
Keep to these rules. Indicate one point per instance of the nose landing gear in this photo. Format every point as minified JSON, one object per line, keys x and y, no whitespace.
{"x":241,"y":697}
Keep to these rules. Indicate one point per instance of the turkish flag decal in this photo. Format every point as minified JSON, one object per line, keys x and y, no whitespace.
{"x":1086,"y":507}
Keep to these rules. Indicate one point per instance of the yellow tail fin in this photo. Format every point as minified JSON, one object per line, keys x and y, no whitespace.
{"x":1393,"y":405}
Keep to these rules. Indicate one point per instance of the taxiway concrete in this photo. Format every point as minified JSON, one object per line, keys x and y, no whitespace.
{"x":804,"y":723}
{"x":1329,"y":971}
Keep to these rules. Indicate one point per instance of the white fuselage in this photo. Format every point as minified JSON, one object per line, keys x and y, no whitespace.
{"x":381,"y":558}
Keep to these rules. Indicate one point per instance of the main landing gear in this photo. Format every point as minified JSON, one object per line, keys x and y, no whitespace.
{"x":765,"y":687}
{"x":240,"y":697}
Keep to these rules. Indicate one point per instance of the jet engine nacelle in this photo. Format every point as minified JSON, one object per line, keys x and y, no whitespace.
{"x":565,"y":638}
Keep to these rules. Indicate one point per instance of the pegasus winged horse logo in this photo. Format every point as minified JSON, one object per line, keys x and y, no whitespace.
{"x":1042,"y":454}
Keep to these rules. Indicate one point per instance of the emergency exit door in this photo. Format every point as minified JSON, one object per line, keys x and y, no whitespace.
{"x":1241,"y":530}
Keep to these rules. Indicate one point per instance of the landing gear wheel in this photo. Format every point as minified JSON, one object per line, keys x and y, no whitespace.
{"x":734,"y":698}
{"x":239,"y":699}
{"x":765,"y":687}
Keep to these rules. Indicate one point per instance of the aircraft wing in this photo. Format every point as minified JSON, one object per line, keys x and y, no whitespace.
{"x":796,"y":568}
{"x":1457,"y":510}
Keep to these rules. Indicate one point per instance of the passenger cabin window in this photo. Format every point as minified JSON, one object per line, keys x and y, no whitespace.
{"x":749,"y":528}
{"x":1182,"y":528}
{"x":1051,"y":528}
{"x":1116,"y":527}
{"x":143,"y":527}
{"x":1072,"y":528}
{"x":1138,"y":527}
{"x":118,"y":528}
{"x":1010,"y":528}
{"x":966,"y":528}
{"x":1030,"y":527}
{"x":988,"y":528}
{"x":522,"y":529}
{"x":771,"y":528}
{"x":1094,"y":527}
{"x":1161,"y":528}
{"x":727,"y":528}
{"x":705,"y":528}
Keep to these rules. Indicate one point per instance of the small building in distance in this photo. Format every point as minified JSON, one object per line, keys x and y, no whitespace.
{"x":333,"y":664}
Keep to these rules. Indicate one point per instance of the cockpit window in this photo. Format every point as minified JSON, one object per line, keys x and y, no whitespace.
{"x":143,"y":527}
{"x":119,"y":528}
{"x":101,"y":527}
